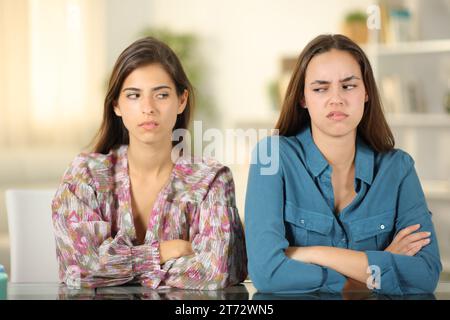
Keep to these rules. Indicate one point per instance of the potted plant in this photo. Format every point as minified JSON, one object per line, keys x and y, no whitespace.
{"x":355,"y":26}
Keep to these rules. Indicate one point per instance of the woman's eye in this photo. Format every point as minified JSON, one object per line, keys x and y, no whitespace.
{"x":163,"y":95}
{"x":349,"y":86}
{"x":133,"y":96}
{"x":319,"y":89}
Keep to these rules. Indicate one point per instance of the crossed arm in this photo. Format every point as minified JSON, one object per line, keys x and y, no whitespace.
{"x":408,"y":265}
{"x":354,"y":264}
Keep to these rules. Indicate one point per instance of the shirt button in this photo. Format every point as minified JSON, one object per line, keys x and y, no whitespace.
{"x":302,"y":221}
{"x":382,"y":227}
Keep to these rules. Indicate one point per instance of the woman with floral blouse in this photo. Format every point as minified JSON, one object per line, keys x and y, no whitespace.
{"x":133,"y":210}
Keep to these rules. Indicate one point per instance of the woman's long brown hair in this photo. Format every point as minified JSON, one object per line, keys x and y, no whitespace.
{"x":112,"y":132}
{"x":373,"y":127}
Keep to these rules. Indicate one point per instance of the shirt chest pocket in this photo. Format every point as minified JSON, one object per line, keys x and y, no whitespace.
{"x":374,"y":233}
{"x":307,"y":228}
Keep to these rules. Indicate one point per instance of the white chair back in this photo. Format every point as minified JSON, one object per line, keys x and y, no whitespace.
{"x":32,"y":243}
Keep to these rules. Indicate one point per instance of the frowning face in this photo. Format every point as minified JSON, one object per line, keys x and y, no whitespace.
{"x":334,"y":93}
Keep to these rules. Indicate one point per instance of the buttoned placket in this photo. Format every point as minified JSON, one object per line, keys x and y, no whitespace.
{"x":326,"y":187}
{"x":361,"y":189}
{"x":322,"y":172}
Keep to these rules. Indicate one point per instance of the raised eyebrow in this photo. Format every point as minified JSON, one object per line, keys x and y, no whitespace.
{"x":153,"y":89}
{"x":131,"y":89}
{"x":161,"y":87}
{"x":350,"y":78}
{"x":320,"y":82}
{"x":342,"y":80}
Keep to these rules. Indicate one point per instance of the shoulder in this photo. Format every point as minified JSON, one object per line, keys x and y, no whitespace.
{"x":194,"y":177}
{"x":273,"y":154}
{"x":95,"y":169}
{"x":275,"y":144}
{"x":200,"y":172}
{"x":395,"y":164}
{"x":396,"y":158}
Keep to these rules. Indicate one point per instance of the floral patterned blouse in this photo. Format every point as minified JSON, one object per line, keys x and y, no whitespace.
{"x":94,"y":230}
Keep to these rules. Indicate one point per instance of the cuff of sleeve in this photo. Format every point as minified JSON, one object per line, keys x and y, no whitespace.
{"x":146,"y":264}
{"x":333,"y":281}
{"x":382,"y":269}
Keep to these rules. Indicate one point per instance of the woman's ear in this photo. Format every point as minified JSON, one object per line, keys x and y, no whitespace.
{"x":117,"y":109}
{"x":183,"y":101}
{"x":367,"y":98}
{"x":303,"y":104}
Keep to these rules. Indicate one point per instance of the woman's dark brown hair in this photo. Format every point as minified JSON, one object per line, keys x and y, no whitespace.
{"x":373,"y":127}
{"x":112,"y":132}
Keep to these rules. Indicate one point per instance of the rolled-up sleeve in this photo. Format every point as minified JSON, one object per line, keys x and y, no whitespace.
{"x":269,"y":267}
{"x":400,"y":274}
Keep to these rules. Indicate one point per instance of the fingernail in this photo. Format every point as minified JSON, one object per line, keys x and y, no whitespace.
{"x":429,"y":233}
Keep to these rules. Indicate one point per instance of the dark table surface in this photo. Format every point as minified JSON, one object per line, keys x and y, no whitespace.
{"x":245,"y":291}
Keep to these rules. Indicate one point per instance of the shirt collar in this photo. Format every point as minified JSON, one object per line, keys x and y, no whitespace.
{"x":316,"y":162}
{"x":364,"y":161}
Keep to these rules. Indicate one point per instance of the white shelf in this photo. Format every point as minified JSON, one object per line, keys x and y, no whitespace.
{"x":413,"y":47}
{"x":419,"y":120}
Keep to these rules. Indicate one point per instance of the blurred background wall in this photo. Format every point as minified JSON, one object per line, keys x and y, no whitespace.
{"x":56,"y":55}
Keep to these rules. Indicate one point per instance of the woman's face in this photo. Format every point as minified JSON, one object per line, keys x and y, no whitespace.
{"x":334,"y":93}
{"x":148,"y":104}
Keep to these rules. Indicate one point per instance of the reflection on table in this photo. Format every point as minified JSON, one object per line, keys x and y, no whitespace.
{"x":244,"y":291}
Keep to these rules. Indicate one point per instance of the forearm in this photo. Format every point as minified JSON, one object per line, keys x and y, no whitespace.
{"x":113,"y":262}
{"x":174,"y":249}
{"x":210,"y":266}
{"x":350,"y":263}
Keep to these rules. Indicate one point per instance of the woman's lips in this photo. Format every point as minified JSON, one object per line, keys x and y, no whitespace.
{"x":337,"y":115}
{"x":149,"y":125}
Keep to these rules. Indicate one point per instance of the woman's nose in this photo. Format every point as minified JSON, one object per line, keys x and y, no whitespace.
{"x":148,"y":106}
{"x":336,"y":97}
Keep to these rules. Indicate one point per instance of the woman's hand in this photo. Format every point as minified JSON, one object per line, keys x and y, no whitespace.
{"x":355,"y":286}
{"x":172,"y":249}
{"x":408,"y":243}
{"x":355,"y":290}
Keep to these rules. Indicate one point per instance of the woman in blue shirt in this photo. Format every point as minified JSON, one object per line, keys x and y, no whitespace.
{"x":345,"y":209}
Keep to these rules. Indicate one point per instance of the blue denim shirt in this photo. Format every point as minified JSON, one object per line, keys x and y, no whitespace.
{"x":295,"y":207}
